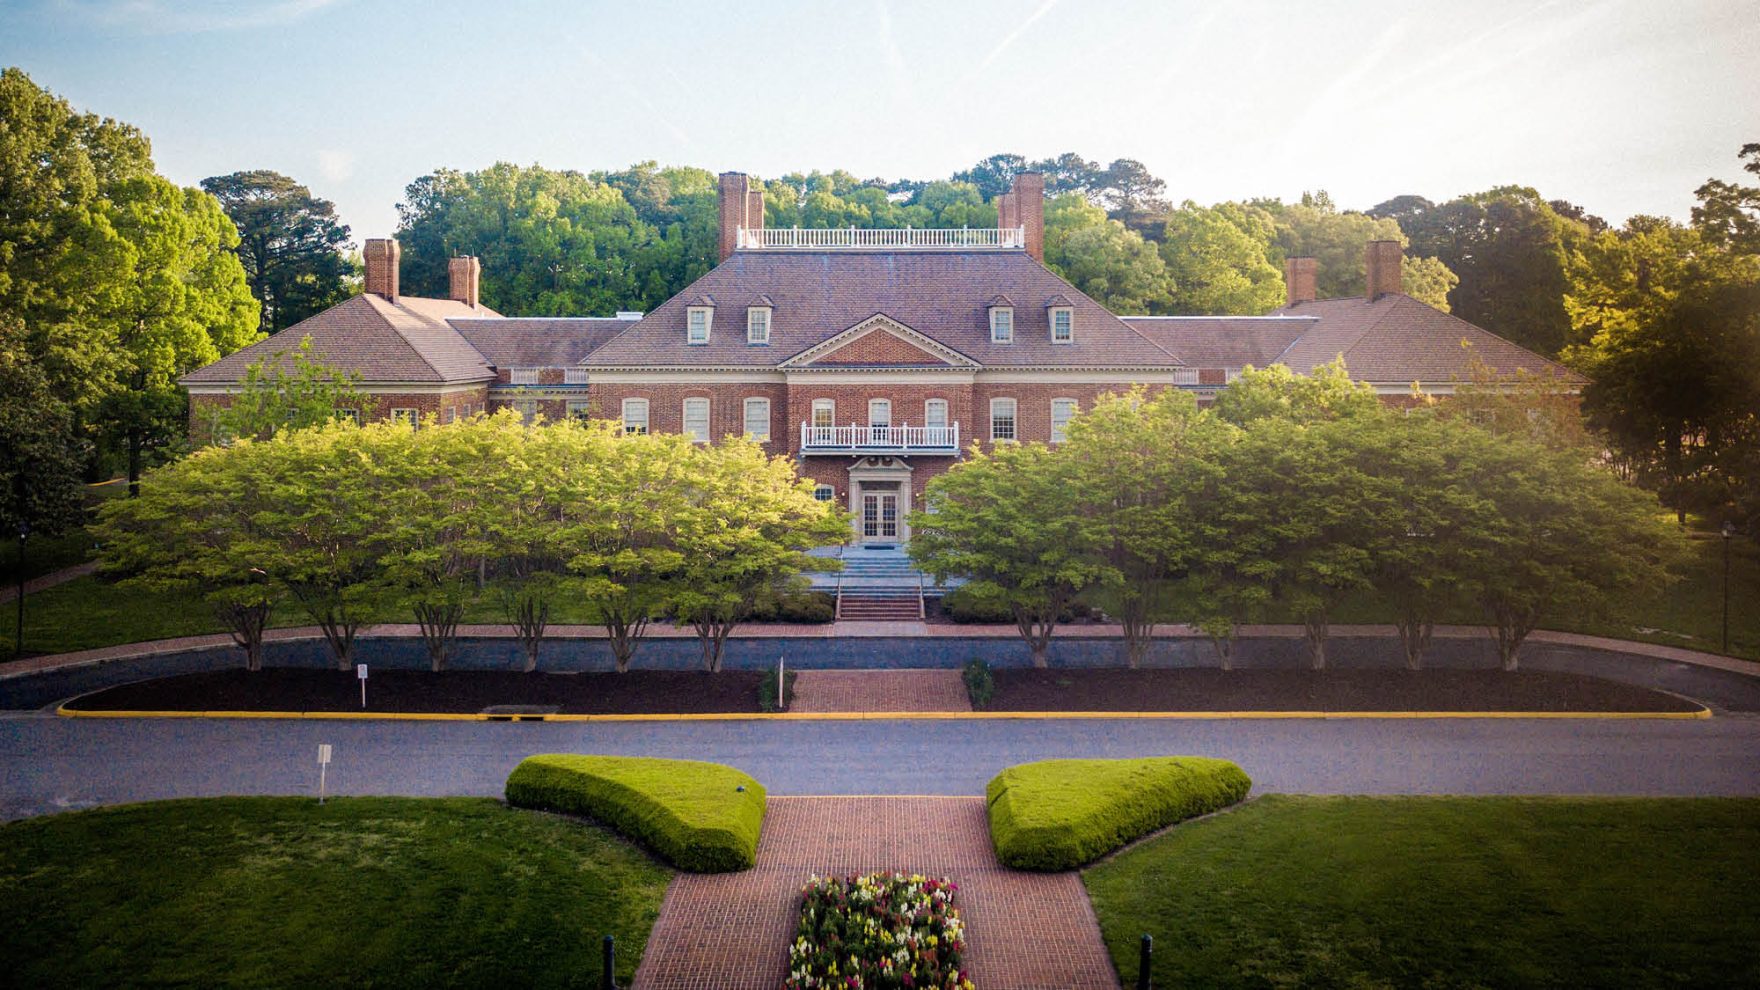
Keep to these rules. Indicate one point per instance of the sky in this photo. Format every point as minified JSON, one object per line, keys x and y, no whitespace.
{"x":1621,"y":106}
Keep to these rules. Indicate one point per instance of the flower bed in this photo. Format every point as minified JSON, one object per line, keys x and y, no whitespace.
{"x":879,"y":931}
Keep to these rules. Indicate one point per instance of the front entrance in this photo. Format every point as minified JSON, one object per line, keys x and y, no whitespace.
{"x":880,"y":497}
{"x":879,"y":516}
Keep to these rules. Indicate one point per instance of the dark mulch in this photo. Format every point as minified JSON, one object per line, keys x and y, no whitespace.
{"x":1208,"y":689}
{"x":295,"y":690}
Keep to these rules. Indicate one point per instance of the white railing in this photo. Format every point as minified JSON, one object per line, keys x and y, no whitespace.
{"x":867,"y":438}
{"x":946,"y":238}
{"x":574,"y":376}
{"x":1185,"y":376}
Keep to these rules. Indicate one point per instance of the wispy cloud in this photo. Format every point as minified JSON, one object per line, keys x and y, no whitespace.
{"x":191,"y":16}
{"x":335,"y":165}
{"x":890,"y":53}
{"x":1009,"y":38}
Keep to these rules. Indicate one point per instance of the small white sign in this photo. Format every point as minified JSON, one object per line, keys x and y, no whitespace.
{"x":323,"y":753}
{"x":360,"y":671}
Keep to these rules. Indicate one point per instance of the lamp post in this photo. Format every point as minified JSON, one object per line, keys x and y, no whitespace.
{"x":24,"y":530}
{"x":1729,"y":532}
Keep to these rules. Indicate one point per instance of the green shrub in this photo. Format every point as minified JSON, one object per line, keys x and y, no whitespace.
{"x":767,"y":691}
{"x":969,"y":604}
{"x":1059,"y":814}
{"x":701,"y":817}
{"x":804,"y":607}
{"x":980,"y":683}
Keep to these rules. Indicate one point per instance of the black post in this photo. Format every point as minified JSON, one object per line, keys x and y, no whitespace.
{"x":1143,"y":956}
{"x":1728,"y":533}
{"x":609,"y":982}
{"x":24,"y":530}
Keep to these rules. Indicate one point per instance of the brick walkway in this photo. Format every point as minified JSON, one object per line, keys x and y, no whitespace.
{"x":50,"y":580}
{"x":880,"y":691}
{"x":1027,"y":931}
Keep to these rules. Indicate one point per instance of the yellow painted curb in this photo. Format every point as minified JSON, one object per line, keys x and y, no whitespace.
{"x":1702,"y":713}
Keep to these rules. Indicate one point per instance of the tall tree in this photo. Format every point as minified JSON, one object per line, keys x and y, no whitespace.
{"x":1219,"y":260}
{"x":1103,"y":257}
{"x":994,"y":175}
{"x":290,"y":242}
{"x":1132,"y":195}
{"x":1729,"y":213}
{"x":41,"y":454}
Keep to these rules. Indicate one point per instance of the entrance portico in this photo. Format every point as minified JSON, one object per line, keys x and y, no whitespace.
{"x":880,"y":497}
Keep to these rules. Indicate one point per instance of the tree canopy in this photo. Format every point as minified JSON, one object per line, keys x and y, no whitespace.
{"x":290,"y":242}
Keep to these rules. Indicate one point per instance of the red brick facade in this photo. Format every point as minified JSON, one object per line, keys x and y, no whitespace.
{"x":878,"y":347}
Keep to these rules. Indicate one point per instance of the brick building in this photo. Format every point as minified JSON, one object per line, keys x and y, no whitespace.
{"x":873,"y":357}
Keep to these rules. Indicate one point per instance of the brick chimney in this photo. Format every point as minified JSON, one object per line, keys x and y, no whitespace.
{"x":741,"y":206}
{"x":465,"y":274}
{"x":1027,"y":204}
{"x":381,"y":255}
{"x":1301,"y":280}
{"x":1381,"y":262}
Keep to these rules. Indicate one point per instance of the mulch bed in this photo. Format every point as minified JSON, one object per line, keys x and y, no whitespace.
{"x":1208,"y":689}
{"x":283,"y":689}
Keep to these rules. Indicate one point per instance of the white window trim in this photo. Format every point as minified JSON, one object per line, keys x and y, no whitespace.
{"x":1014,"y":417}
{"x":624,"y":414}
{"x":830,"y":405}
{"x":578,"y":409}
{"x":684,"y":421}
{"x":1001,"y":338}
{"x":752,"y":314}
{"x":879,"y":404}
{"x":527,"y":409}
{"x":406,"y":414}
{"x":751,"y":403}
{"x":349,"y":413}
{"x":522,"y":376}
{"x":1051,"y":319}
{"x":708,"y":313}
{"x":929,"y":420}
{"x":1058,"y":432}
{"x":825,"y":493}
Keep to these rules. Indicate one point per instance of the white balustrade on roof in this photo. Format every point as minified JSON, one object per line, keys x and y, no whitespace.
{"x":913,"y":238}
{"x":870,"y":438}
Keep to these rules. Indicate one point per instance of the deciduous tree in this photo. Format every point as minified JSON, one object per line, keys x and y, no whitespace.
{"x":290,"y":242}
{"x":288,"y":391}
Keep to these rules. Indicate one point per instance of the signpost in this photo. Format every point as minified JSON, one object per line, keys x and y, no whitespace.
{"x":323,"y":764}
{"x":360,"y":671}
{"x":781,"y":685}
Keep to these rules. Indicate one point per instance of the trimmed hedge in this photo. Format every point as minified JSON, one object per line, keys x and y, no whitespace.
{"x":692,"y":814}
{"x":1060,"y":814}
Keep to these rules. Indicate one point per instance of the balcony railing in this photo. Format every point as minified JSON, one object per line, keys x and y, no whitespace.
{"x":859,"y":439}
{"x":925,"y":238}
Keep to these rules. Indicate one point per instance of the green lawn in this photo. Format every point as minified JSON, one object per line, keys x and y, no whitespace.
{"x":1443,"y":892}
{"x":279,"y":892}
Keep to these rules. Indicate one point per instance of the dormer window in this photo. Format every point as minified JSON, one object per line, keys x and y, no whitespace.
{"x":758,"y":325}
{"x":1063,"y":324}
{"x":696,"y":324}
{"x":1002,"y":324}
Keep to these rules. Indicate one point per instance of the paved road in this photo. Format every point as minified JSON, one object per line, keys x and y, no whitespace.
{"x":49,"y":763}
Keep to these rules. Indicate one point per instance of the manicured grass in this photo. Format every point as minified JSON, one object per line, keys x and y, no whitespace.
{"x":279,"y":892}
{"x":702,"y":817}
{"x":1060,"y":814}
{"x":1443,"y":892}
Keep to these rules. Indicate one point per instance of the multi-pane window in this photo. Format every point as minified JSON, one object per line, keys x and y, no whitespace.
{"x":824,"y":493}
{"x":757,"y":424}
{"x":824,"y":419}
{"x":1062,"y":411}
{"x":1063,"y":325}
{"x":879,"y":418}
{"x":448,"y":414}
{"x":1002,"y":419}
{"x":527,"y":409}
{"x":758,"y":325}
{"x":1002,"y":324}
{"x":635,"y":415}
{"x":696,"y":419}
{"x":524,"y":376}
{"x":580,"y":409}
{"x":403,"y":415}
{"x":697,"y":324}
{"x":935,"y":414}
{"x":352,"y":415}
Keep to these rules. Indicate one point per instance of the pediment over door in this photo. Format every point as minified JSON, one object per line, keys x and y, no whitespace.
{"x":880,"y":342}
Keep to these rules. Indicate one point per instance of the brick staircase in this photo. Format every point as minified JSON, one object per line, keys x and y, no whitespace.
{"x":879,"y":586}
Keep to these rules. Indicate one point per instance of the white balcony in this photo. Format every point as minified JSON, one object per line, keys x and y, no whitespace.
{"x":858,"y":439}
{"x":909,"y":238}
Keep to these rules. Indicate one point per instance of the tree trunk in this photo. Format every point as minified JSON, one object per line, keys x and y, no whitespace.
{"x":1510,"y":627}
{"x":1314,"y":627}
{"x":1223,"y":644}
{"x":624,"y":634}
{"x":529,"y":615}
{"x":439,"y":626}
{"x":246,"y":624}
{"x":712,"y":634}
{"x":1414,"y":638}
{"x":1138,"y":630}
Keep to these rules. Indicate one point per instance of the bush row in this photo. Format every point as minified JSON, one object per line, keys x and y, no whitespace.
{"x":700,"y":817}
{"x":1060,"y":814}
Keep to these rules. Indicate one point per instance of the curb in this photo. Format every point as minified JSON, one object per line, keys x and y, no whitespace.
{"x":65,"y":712}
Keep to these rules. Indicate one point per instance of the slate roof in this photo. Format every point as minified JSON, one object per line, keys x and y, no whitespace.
{"x":548,"y":343}
{"x":1396,"y":338}
{"x":405,"y":341}
{"x":1223,"y":341}
{"x":944,"y":295}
